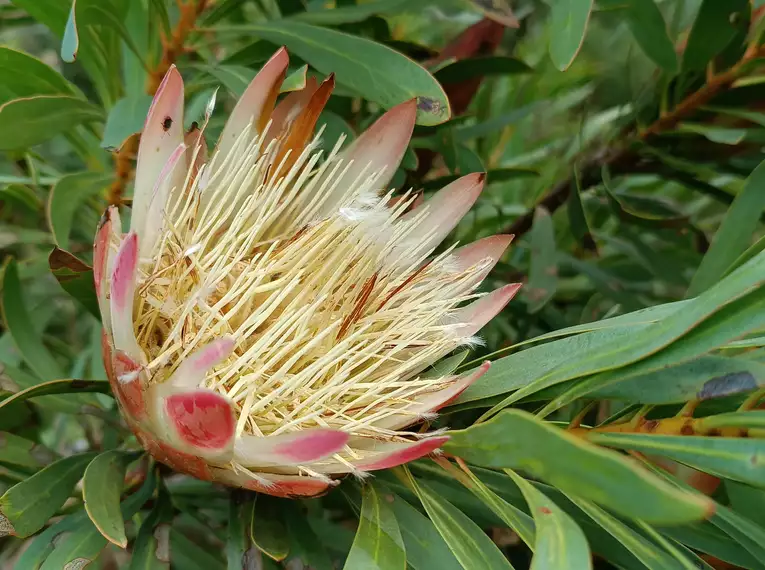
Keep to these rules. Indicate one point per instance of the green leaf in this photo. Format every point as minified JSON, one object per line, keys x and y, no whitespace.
{"x":101,"y":490}
{"x":560,"y":543}
{"x":238,"y":544}
{"x":747,"y":501}
{"x":19,"y":324}
{"x":65,"y":386}
{"x":575,"y":466}
{"x":84,"y":542}
{"x":748,"y":419}
{"x":125,"y":119}
{"x":425,"y":548}
{"x":24,"y":452}
{"x":649,"y":554}
{"x":187,"y":554}
{"x":470,"y":545}
{"x":512,"y":516}
{"x":701,"y":379}
{"x":27,"y":506}
{"x":30,"y":77}
{"x":712,"y":31}
{"x":730,"y":457}
{"x":295,"y":80}
{"x":470,"y":68}
{"x":731,"y":314}
{"x":356,"y":13}
{"x":67,"y":197}
{"x":568,"y":23}
{"x":304,"y":544}
{"x":71,"y":40}
{"x":378,"y":544}
{"x":715,"y":134}
{"x":267,"y":530}
{"x":734,"y":235}
{"x":649,"y":29}
{"x":29,"y":121}
{"x":543,"y":268}
{"x":151,"y":549}
{"x":748,"y":534}
{"x":99,"y":49}
{"x":76,"y":278}
{"x":577,"y":218}
{"x":375,"y":71}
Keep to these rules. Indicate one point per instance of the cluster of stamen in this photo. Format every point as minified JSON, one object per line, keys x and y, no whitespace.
{"x":334,"y":309}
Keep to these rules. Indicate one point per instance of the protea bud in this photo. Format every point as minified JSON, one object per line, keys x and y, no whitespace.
{"x":269,"y":316}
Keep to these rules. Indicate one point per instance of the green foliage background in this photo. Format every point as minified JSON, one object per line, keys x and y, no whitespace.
{"x":619,"y":426}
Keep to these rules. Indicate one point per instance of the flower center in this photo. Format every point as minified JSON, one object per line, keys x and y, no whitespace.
{"x":334,"y":308}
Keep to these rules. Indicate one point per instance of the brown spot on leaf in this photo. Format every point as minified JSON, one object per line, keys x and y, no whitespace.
{"x":430,"y":106}
{"x":545,"y":511}
{"x":650,"y":425}
{"x":714,"y":432}
{"x":687,"y":428}
{"x":726,"y":385}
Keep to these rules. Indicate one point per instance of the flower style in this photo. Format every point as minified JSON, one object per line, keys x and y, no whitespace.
{"x":271,"y":317}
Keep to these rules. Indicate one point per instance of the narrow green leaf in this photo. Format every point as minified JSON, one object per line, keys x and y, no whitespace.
{"x":67,"y":197}
{"x":649,"y":554}
{"x":378,"y":544}
{"x":734,"y":235}
{"x":730,"y":308}
{"x":267,"y":530}
{"x":26,"y":507}
{"x":76,"y":278}
{"x":470,"y":68}
{"x":748,"y":419}
{"x":577,"y":218}
{"x":19,"y":324}
{"x":701,"y":379}
{"x":30,"y":77}
{"x":543,"y":268}
{"x":512,"y":516}
{"x":101,"y":490}
{"x":304,"y":544}
{"x":650,"y":32}
{"x":470,"y":545}
{"x":239,"y":543}
{"x":568,"y":23}
{"x":151,"y":550}
{"x":375,"y":71}
{"x":730,"y":457}
{"x":712,"y":31}
{"x":425,"y":548}
{"x":83,"y":543}
{"x":356,"y":13}
{"x":29,"y":121}
{"x":70,"y":44}
{"x":65,"y":386}
{"x":575,"y":466}
{"x":24,"y":452}
{"x":125,"y":119}
{"x":560,"y":543}
{"x":187,"y":554}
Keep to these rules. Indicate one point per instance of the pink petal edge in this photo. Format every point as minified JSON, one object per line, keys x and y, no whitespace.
{"x":477,"y":314}
{"x":405,"y":454}
{"x":290,"y":448}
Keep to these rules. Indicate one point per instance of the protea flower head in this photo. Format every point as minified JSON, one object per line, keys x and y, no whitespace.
{"x":270,"y":317}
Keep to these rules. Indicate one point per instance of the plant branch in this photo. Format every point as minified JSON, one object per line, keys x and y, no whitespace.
{"x":624,"y":157}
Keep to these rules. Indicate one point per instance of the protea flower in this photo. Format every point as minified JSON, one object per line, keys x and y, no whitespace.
{"x":271,"y":315}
